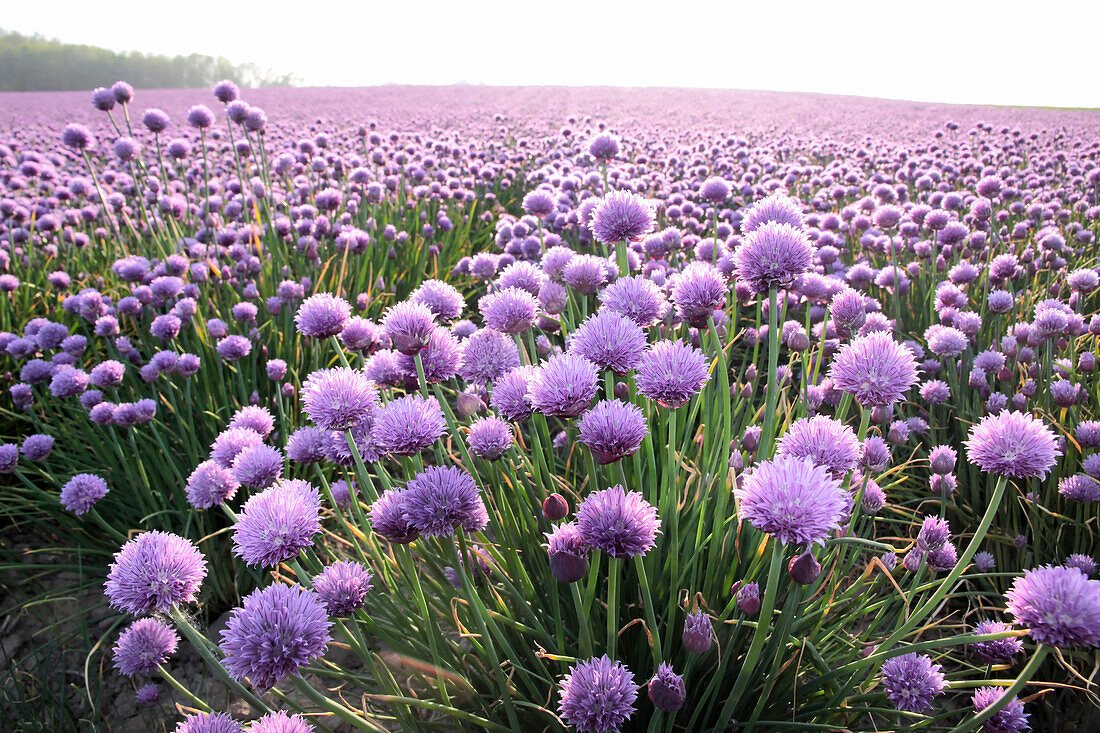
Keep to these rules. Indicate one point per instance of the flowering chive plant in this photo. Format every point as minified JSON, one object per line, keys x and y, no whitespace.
{"x":509,"y":425}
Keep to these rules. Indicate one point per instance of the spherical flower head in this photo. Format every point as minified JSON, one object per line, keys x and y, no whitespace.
{"x":339,"y":398}
{"x":666,"y":689}
{"x":772,"y":256}
{"x":875,"y":369}
{"x":200,"y":117}
{"x":604,"y":146}
{"x":622,"y":216}
{"x":210,"y":485}
{"x":442,"y":299}
{"x":77,"y":136}
{"x":1013,"y":444}
{"x":825,"y":440}
{"x":232,"y":348}
{"x":490,"y":438}
{"x":619,"y":523}
{"x":539,"y":202}
{"x":81,"y":492}
{"x":698,"y":291}
{"x":715,"y":190}
{"x":612,"y":430}
{"x":440,"y":358}
{"x":442,"y":499}
{"x":598,"y":695}
{"x":225,"y":91}
{"x":145,"y":644}
{"x":1079,"y":488}
{"x":486,"y":356}
{"x":280,"y":722}
{"x":610,"y":341}
{"x":37,"y":447}
{"x":934,"y":533}
{"x":698,"y":632}
{"x":564,"y":385}
{"x":777,"y":208}
{"x":322,"y":315}
{"x":343,"y":587}
{"x":638,"y":298}
{"x":1060,"y":606}
{"x":68,"y":382}
{"x":409,"y":326}
{"x":509,"y":397}
{"x":209,"y":723}
{"x":1009,"y":719}
{"x":945,"y":341}
{"x":996,"y":651}
{"x":912,"y":681}
{"x":984,"y":562}
{"x":230,"y":442}
{"x":277,"y":630}
{"x":522,"y":275}
{"x":793,"y":499}
{"x":585,"y":273}
{"x":568,"y":553}
{"x":407,"y":425}
{"x":154,"y":571}
{"x":257,"y":466}
{"x":1084,"y":563}
{"x":255,"y":418}
{"x":276,"y":524}
{"x":511,"y":310}
{"x":672,"y":372}
{"x":748,"y":598}
{"x":147,"y":695}
{"x":388,"y":517}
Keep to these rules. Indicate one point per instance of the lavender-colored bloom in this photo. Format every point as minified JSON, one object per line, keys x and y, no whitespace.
{"x":612,"y":430}
{"x":253,"y":417}
{"x":306,"y":445}
{"x":698,"y":633}
{"x":200,"y":117}
{"x":748,"y":599}
{"x":672,"y":372}
{"x":984,"y":562}
{"x":604,"y":146}
{"x":486,"y":355}
{"x":1079,"y":488}
{"x":147,"y":695}
{"x":388,"y":517}
{"x":585,"y":273}
{"x":277,"y":630}
{"x":442,"y":499}
{"x":618,"y":523}
{"x":511,"y":310}
{"x":343,"y":587}
{"x":1084,"y":563}
{"x":81,"y":492}
{"x":233,"y":348}
{"x":37,"y":447}
{"x":912,"y":681}
{"x":322,"y":315}
{"x":826,"y":441}
{"x":280,"y":721}
{"x":1013,"y":444}
{"x":567,"y":550}
{"x":230,"y":442}
{"x":509,"y":397}
{"x":997,"y":651}
{"x":610,"y":341}
{"x":154,"y":571}
{"x":1060,"y":606}
{"x":598,"y":695}
{"x":339,"y":398}
{"x":278,"y":523}
{"x":68,"y":382}
{"x":772,"y":255}
{"x":935,"y":392}
{"x":209,"y":723}
{"x":666,"y":689}
{"x":564,"y":385}
{"x":775,"y":208}
{"x":210,"y":485}
{"x":77,"y":136}
{"x":698,"y":291}
{"x":1011,"y":718}
{"x":409,"y":326}
{"x":945,"y":341}
{"x":439,"y":358}
{"x":257,"y":466}
{"x":875,"y":369}
{"x":538,"y":202}
{"x":622,"y":216}
{"x":145,"y":644}
{"x":793,"y":499}
{"x":441,"y":298}
{"x":638,"y":298}
{"x":407,"y":425}
{"x":276,"y":369}
{"x":490,"y":438}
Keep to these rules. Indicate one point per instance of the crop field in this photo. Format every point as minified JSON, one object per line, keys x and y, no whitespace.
{"x":544,"y":409}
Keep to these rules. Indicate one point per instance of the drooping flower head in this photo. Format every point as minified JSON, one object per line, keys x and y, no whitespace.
{"x":598,"y":695}
{"x":1013,"y":444}
{"x":619,"y":523}
{"x":875,"y":369}
{"x":912,"y":681}
{"x":793,"y":499}
{"x":276,"y":524}
{"x":1060,"y":606}
{"x":154,"y":571}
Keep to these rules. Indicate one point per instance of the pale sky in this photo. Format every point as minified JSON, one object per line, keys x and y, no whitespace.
{"x":960,"y":51}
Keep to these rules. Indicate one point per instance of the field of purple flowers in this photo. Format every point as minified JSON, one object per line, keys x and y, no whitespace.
{"x":546,"y":409}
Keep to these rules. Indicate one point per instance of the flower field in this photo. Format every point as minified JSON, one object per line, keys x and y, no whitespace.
{"x":545,"y":409}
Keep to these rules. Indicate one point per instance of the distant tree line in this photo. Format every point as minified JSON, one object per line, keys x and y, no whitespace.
{"x":35,"y":63}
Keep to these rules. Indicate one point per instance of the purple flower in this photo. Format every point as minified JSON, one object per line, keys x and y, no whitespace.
{"x":276,"y":524}
{"x":1084,"y":563}
{"x":253,"y":417}
{"x":322,"y":315}
{"x":280,"y":722}
{"x":1011,"y":718}
{"x":210,"y":485}
{"x":568,"y":552}
{"x":666,"y":689}
{"x":509,"y":397}
{"x":209,"y":723}
{"x":388,"y":518}
{"x":486,"y":355}
{"x":564,"y":385}
{"x":343,"y":586}
{"x":610,"y":341}
{"x":585,"y":273}
{"x":538,"y":203}
{"x":875,"y":369}
{"x":793,"y":499}
{"x":230,"y":442}
{"x":77,"y":136}
{"x":618,"y":523}
{"x":439,"y":358}
{"x":748,"y":599}
{"x":81,"y":492}
{"x":612,"y":430}
{"x":490,"y":438}
{"x":1060,"y":606}
{"x":912,"y":681}
{"x":772,"y":255}
{"x":1080,"y":488}
{"x":775,"y":208}
{"x":638,"y":298}
{"x":145,"y":644}
{"x":510,"y":310}
{"x":825,"y":440}
{"x":672,"y":372}
{"x":147,"y":695}
{"x":945,"y":341}
{"x":257,"y":466}
{"x":200,"y":117}
{"x":277,"y":630}
{"x":339,"y":398}
{"x":598,"y":695}
{"x":1013,"y":444}
{"x":441,"y":298}
{"x":409,"y":326}
{"x":233,"y":348}
{"x":622,"y":216}
{"x":997,"y":651}
{"x":698,"y":291}
{"x":604,"y":146}
{"x":37,"y":447}
{"x":407,"y":425}
{"x":154,"y":571}
{"x":698,"y":633}
{"x":442,"y":499}
{"x":68,"y":382}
